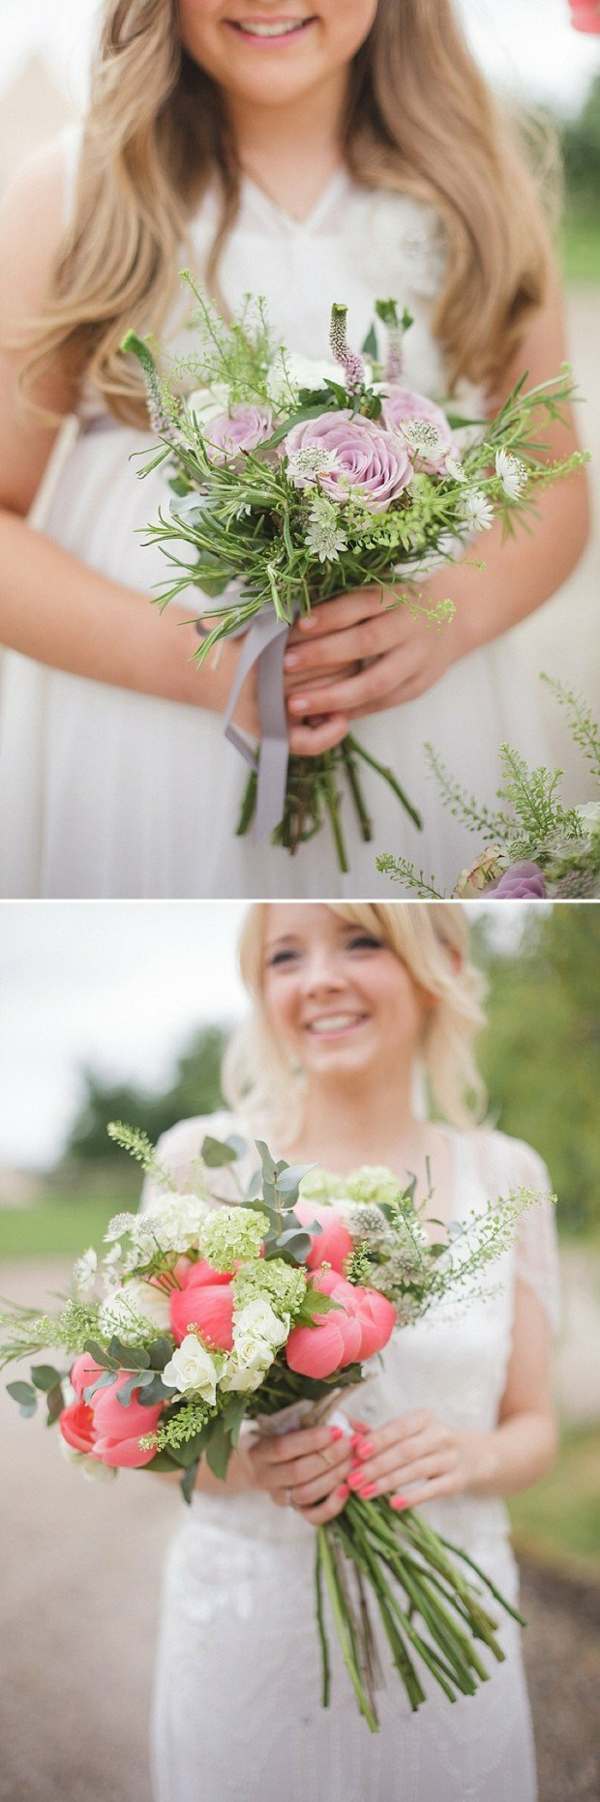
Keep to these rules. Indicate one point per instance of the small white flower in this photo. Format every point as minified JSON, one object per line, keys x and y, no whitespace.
{"x":84,"y":1272}
{"x":242,"y":1380}
{"x":323,"y":536}
{"x":477,"y":510}
{"x":258,"y":1319}
{"x":512,"y":474}
{"x":136,"y":1308}
{"x":454,"y":468}
{"x":304,"y":467}
{"x":294,"y":372}
{"x":119,"y":1226}
{"x":589,"y":815}
{"x":191,"y":1369}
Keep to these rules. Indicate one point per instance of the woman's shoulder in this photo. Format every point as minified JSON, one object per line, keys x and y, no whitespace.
{"x":180,"y":1145}
{"x":509,"y":1161}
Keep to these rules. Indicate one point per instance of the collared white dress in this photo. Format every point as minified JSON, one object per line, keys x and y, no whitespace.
{"x":108,"y":793}
{"x":237,"y":1714}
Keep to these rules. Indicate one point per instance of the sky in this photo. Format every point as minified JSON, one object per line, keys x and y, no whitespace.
{"x":119,"y":986}
{"x":529,"y":44}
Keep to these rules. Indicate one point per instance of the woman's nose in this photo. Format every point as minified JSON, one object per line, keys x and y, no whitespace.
{"x":321,"y":974}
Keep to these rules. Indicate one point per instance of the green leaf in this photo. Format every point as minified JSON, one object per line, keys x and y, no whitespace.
{"x":233,"y":1415}
{"x":154,"y":1391}
{"x":100,"y":1355}
{"x":188,"y":1482}
{"x":297,"y":1243}
{"x":215,"y":1153}
{"x":55,"y":1402}
{"x":238,"y":1145}
{"x":269,"y":1167}
{"x":44,"y":1376}
{"x":159,"y":1353}
{"x":369,"y":347}
{"x":99,"y":1383}
{"x":218,"y":1449}
{"x":138,"y":1381}
{"x":161,"y":1461}
{"x":128,"y":1357}
{"x":291,"y":1177}
{"x":24,"y":1394}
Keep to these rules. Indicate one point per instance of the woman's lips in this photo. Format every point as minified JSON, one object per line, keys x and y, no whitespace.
{"x":338,"y":1026}
{"x":280,"y":31}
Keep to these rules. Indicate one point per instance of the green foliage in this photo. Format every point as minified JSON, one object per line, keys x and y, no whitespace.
{"x":581,"y":153}
{"x":559,"y":1518}
{"x":533,"y":795}
{"x":541,"y":1050}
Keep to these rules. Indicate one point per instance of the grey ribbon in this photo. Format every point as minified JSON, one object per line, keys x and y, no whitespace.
{"x":265,"y":645}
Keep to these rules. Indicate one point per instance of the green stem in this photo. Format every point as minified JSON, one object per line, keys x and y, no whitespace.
{"x":248,"y":806}
{"x":364,"y":818}
{"x":325,"y":1663}
{"x":332,"y":806}
{"x":383,"y":769}
{"x":344,"y":1638}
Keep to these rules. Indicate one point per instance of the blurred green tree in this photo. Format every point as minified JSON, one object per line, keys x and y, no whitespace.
{"x":540,"y":1054}
{"x":196,"y":1089}
{"x":580,"y":139}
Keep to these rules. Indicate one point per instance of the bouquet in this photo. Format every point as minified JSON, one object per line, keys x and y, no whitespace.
{"x":539,"y":849}
{"x":295,"y":480}
{"x":200,"y":1318}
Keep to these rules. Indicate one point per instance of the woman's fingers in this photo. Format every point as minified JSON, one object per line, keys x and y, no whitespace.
{"x":343,"y":610}
{"x":312,"y":738}
{"x":368,"y":638}
{"x":372,"y":685}
{"x":427,"y":1492}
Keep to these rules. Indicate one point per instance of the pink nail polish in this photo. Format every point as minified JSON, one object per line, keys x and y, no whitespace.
{"x":355,"y":1480}
{"x":336,"y":1433}
{"x":399,"y":1502}
{"x":365,"y":1449}
{"x":343,"y":1492}
{"x":367,"y":1490}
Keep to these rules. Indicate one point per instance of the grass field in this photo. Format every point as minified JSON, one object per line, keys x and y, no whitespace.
{"x":580,"y":242}
{"x":64,"y":1228}
{"x":559,"y":1519}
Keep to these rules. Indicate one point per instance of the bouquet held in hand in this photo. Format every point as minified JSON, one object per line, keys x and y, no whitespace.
{"x":202,"y":1317}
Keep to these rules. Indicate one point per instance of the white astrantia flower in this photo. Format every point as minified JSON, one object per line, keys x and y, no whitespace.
{"x":512,"y":473}
{"x":477,"y":510}
{"x":119,"y":1226}
{"x":454,"y":468}
{"x":135,"y":1311}
{"x":84,"y":1271}
{"x":323,"y":536}
{"x":304,"y":467}
{"x":192,"y":1370}
{"x":171,"y":1224}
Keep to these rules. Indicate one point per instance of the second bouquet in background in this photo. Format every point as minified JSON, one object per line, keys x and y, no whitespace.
{"x":295,"y":480}
{"x":202,"y":1316}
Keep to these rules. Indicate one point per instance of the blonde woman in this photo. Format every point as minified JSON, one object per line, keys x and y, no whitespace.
{"x":350,"y":152}
{"x":351,"y":1004}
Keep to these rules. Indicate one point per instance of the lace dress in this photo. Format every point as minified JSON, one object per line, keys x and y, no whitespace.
{"x":237,"y":1714}
{"x":109,"y":793}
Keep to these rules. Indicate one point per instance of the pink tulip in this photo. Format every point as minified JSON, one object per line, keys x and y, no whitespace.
{"x":77,"y":1426}
{"x":203,"y":1272}
{"x":333,"y":1244}
{"x":125,"y":1454}
{"x":84,"y":1372}
{"x":117,"y":1420}
{"x":207,"y":1306}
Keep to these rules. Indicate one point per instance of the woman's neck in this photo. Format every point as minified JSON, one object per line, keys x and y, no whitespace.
{"x":267,"y":140}
{"x":355,"y":1121}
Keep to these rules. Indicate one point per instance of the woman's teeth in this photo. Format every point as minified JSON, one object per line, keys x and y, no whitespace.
{"x":275,"y":29}
{"x":335,"y":1022}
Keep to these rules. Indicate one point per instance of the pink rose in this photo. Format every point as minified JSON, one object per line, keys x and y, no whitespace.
{"x":208,"y":1306}
{"x":241,"y":429}
{"x":333,"y":1244}
{"x":372,"y":464}
{"x":77,"y":1426}
{"x":402,"y":408}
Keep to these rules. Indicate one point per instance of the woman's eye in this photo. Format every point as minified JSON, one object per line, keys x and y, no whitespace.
{"x":364,"y":941}
{"x":281,"y":957}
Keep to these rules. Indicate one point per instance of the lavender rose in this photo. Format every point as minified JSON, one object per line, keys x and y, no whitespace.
{"x":422,"y":424}
{"x":241,"y":429}
{"x":522,"y":882}
{"x":371,"y":465}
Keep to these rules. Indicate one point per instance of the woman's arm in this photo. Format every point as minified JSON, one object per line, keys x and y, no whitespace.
{"x":519,"y":576}
{"x":52,"y":606}
{"x":417,"y":1458}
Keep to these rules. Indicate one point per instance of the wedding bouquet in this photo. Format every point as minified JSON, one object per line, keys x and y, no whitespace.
{"x":296,"y":480}
{"x":201,"y":1317}
{"x":540,"y":849}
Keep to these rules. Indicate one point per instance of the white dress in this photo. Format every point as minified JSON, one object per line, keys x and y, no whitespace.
{"x":104,"y":792}
{"x":237,"y":1714}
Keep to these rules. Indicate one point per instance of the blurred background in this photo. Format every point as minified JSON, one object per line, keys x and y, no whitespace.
{"x":122,"y":1010}
{"x":535,"y":58}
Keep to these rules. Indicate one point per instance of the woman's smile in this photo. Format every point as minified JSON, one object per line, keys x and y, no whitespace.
{"x":269,"y":33}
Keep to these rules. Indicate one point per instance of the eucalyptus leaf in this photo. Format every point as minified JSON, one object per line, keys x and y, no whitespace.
{"x":218,"y":1449}
{"x":100,"y":1355}
{"x":292,"y":1177}
{"x":137,"y":1381}
{"x":44,"y":1376}
{"x":238,"y":1145}
{"x":159,"y":1353}
{"x":128,"y":1357}
{"x":268,"y":1165}
{"x":98,"y":1383}
{"x":24,"y":1394}
{"x":188,"y":1482}
{"x":215,"y":1153}
{"x":161,"y":1461}
{"x":55,"y":1402}
{"x":155,"y":1391}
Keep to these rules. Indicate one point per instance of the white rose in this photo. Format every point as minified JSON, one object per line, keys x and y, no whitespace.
{"x":589,"y":814}
{"x":192,"y":1368}
{"x":258,"y":1321}
{"x":207,"y":403}
{"x":244,"y":1380}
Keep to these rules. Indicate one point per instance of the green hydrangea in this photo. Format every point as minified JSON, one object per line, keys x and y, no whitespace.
{"x":373,"y":1183}
{"x":323,"y":1185}
{"x":230,"y":1234}
{"x":272,"y":1280}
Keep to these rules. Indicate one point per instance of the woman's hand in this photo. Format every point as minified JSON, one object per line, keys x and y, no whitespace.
{"x":405,"y":655}
{"x":421,"y":1453}
{"x":305,"y":1470}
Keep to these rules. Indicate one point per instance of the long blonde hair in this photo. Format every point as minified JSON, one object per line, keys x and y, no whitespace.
{"x":420,"y":120}
{"x":433,"y":942}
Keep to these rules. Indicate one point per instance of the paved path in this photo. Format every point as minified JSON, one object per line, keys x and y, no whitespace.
{"x":79,"y":1614}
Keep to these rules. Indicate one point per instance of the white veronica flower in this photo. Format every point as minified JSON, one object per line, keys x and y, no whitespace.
{"x":477,"y":510}
{"x":84,"y":1271}
{"x":512,"y":474}
{"x":191,"y":1369}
